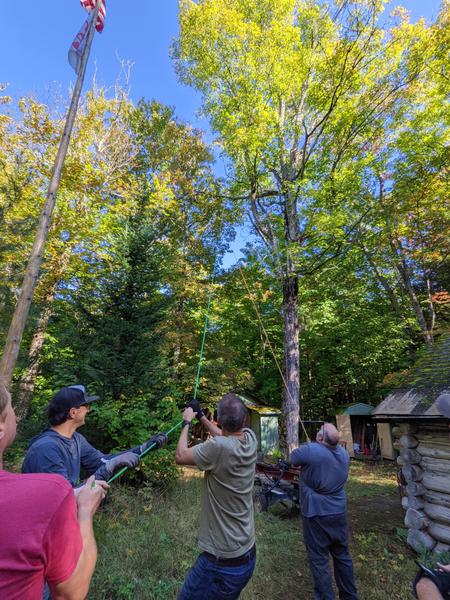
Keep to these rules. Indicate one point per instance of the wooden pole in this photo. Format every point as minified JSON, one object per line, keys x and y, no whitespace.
{"x":17,"y":326}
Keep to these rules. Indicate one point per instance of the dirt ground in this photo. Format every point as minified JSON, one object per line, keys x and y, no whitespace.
{"x":375,"y":513}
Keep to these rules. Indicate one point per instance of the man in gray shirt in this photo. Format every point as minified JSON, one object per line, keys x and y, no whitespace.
{"x":227,"y":532}
{"x":324,"y":473}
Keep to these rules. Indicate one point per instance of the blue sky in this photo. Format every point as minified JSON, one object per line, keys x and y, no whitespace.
{"x":34,"y":44}
{"x":35,"y":37}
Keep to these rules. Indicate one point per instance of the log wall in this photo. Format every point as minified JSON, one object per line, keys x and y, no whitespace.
{"x":424,"y":465}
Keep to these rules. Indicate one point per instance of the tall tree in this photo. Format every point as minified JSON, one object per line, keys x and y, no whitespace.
{"x":405,"y":237}
{"x":176,"y":166}
{"x":294,"y":89}
{"x":95,"y":182}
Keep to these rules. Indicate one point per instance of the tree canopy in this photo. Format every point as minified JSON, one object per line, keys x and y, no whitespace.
{"x":334,"y":125}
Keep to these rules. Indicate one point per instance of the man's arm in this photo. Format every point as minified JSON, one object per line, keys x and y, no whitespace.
{"x":200,"y":415}
{"x":90,"y":457}
{"x":76,"y":587}
{"x":210,"y":426}
{"x":46,"y":459}
{"x":300,"y":455}
{"x":185,"y":455}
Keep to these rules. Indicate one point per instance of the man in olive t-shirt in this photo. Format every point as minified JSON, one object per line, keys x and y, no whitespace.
{"x":227,"y":532}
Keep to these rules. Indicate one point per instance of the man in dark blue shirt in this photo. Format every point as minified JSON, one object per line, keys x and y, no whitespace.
{"x":61,"y":449}
{"x":324,"y":473}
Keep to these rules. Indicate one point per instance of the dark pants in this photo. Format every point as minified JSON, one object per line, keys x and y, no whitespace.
{"x":324,"y":536}
{"x":209,"y":581}
{"x":441,"y":581}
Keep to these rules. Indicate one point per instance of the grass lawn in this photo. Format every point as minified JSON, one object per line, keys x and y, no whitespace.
{"x":147,"y":542}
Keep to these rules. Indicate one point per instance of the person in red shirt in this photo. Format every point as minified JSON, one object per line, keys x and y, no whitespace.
{"x":46,"y":532}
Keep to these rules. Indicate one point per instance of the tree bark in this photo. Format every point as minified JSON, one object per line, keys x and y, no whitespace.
{"x":383,"y":281}
{"x":28,"y":379}
{"x":403,"y":271}
{"x":291,"y":396}
{"x":401,"y":265}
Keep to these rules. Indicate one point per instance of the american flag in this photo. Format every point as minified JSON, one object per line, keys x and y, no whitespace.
{"x":78,"y":46}
{"x":90,"y":5}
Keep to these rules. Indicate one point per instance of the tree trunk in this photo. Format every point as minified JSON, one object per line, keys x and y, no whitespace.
{"x":291,"y":396}
{"x":28,"y":379}
{"x":403,"y":271}
{"x":384,"y":282}
{"x":401,"y":265}
{"x":430,"y":301}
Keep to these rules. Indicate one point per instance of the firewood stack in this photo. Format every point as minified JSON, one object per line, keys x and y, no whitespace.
{"x":424,"y":461}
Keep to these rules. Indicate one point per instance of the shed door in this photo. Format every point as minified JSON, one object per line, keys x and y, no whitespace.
{"x":345,"y":429}
{"x":269,"y":434}
{"x":255,"y":426}
{"x":386,"y":445}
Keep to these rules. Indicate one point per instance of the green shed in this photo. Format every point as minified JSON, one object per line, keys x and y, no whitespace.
{"x":264,"y":422}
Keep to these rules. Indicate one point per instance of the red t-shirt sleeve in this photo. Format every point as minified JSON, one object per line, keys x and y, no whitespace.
{"x":63,"y":542}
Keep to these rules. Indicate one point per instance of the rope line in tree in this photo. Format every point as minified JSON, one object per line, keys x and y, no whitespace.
{"x":263,"y":329}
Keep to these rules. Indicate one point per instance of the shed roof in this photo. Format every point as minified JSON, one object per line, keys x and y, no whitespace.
{"x":357,"y":409}
{"x":416,"y":396}
{"x":258,"y":407}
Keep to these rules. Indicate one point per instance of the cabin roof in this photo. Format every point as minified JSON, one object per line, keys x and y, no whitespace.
{"x":257,"y":406}
{"x":415,"y":397}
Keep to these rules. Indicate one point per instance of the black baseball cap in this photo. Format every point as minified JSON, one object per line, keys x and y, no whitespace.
{"x":72,"y":396}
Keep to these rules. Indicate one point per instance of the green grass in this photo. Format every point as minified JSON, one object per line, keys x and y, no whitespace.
{"x":371,"y":479}
{"x":147,"y":542}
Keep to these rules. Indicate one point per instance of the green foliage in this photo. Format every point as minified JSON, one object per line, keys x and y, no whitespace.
{"x":315,"y":104}
{"x":335,"y":132}
{"x":431,"y":559}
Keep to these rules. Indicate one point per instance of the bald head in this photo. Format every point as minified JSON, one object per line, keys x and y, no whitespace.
{"x":328,"y":435}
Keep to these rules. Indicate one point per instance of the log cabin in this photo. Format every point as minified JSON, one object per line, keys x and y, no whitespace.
{"x":422,"y":438}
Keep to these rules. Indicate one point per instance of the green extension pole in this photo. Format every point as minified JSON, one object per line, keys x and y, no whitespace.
{"x":197,"y":379}
{"x":205,"y":327}
{"x":119,"y":473}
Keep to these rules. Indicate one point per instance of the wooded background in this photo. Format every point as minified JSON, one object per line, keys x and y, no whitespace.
{"x":334,"y":130}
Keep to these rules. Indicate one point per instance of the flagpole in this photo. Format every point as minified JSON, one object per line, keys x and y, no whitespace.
{"x":17,"y":326}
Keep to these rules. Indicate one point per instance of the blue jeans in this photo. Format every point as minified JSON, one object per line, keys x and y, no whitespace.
{"x":324,"y":536}
{"x":209,"y":581}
